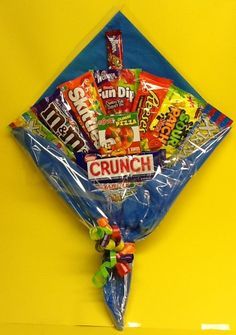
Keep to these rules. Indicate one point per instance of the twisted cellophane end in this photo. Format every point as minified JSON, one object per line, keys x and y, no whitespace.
{"x":116,"y":292}
{"x":114,"y":274}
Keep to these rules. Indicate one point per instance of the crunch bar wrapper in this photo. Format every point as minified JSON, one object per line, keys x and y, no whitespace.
{"x":151,"y":93}
{"x":86,"y":104}
{"x":29,"y":121}
{"x":117,"y":89}
{"x":120,"y":169}
{"x":115,"y":227}
{"x":54,"y":112}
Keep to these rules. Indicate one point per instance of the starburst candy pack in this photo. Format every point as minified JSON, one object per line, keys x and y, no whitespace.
{"x":118,"y":134}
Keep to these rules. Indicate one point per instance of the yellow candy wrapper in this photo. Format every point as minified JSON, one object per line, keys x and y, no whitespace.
{"x":178,"y":114}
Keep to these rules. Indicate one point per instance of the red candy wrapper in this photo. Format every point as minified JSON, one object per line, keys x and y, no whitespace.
{"x":151,"y":93}
{"x":86,"y":104}
{"x":117,"y":89}
{"x":114,"y":49}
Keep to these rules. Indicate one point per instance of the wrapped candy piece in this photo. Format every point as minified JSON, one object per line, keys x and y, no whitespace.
{"x":151,"y":93}
{"x":114,"y":49}
{"x":54,"y":112}
{"x":117,"y":89}
{"x":178,"y":113}
{"x":119,"y":134}
{"x":118,"y":191}
{"x":120,"y":169}
{"x":81,"y":93}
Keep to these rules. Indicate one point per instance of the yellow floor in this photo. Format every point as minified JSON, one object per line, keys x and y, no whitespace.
{"x":184,"y":278}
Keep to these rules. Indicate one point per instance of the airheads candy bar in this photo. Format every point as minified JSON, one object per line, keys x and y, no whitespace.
{"x":29,"y":121}
{"x":86,"y":104}
{"x":54,"y":112}
{"x":117,"y":89}
{"x":114,"y":49}
{"x":151,"y":93}
{"x":178,"y":114}
{"x":113,"y":169}
{"x":119,"y":134}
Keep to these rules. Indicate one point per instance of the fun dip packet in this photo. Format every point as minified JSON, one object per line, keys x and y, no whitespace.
{"x":117,"y":89}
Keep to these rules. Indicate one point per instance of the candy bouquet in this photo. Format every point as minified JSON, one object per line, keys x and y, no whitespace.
{"x":119,"y":144}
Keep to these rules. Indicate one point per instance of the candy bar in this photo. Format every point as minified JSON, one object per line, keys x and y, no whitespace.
{"x":119,"y":134}
{"x":114,"y":49}
{"x":54,"y":112}
{"x":86,"y":104}
{"x":120,"y":169}
{"x":118,"y":192}
{"x":125,"y":166}
{"x":151,"y":93}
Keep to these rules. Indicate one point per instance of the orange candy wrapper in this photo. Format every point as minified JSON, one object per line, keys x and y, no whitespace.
{"x":151,"y":93}
{"x":86,"y":104}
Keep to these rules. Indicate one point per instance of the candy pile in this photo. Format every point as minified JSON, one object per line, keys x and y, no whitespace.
{"x":119,"y":145}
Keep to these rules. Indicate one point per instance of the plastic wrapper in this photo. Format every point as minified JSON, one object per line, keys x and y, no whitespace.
{"x":55,"y":113}
{"x":29,"y":121}
{"x":119,"y":134}
{"x":127,"y":196}
{"x":82,"y":95}
{"x":114,"y":49}
{"x":117,"y":89}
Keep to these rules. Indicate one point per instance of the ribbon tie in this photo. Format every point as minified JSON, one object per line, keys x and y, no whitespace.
{"x":117,"y":253}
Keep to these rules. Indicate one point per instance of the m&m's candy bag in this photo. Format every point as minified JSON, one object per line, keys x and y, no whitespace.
{"x":55,"y":113}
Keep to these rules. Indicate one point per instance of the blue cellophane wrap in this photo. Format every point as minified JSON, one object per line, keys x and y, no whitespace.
{"x":141,"y":212}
